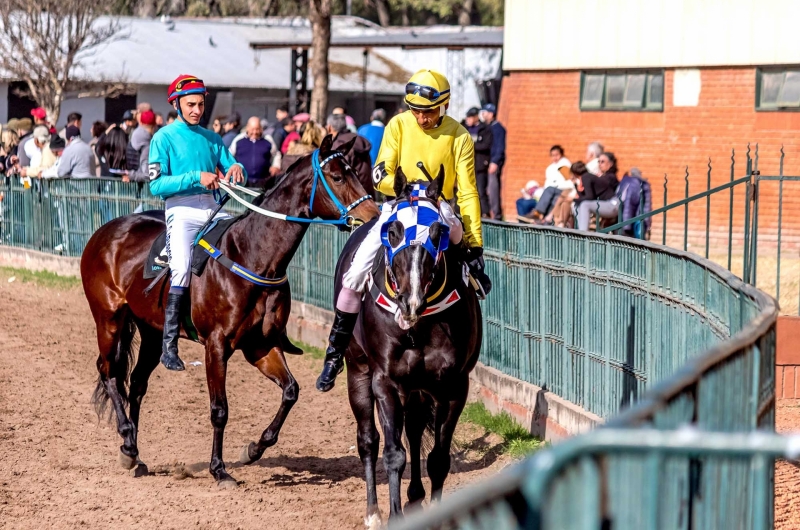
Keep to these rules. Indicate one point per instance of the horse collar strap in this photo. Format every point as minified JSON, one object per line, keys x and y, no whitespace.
{"x":238,"y":270}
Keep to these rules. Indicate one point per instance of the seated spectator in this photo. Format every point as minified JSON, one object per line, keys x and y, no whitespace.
{"x":373,"y":131}
{"x":255,"y":154}
{"x":556,"y":181}
{"x":113,"y":152}
{"x":594,"y":150}
{"x":530,"y":196}
{"x":636,"y":196}
{"x":562,"y":214}
{"x":137,"y":153}
{"x":77,"y":161}
{"x":599,"y":194}
{"x":57,"y":146}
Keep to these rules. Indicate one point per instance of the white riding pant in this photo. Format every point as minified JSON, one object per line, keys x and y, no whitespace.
{"x":356,"y":276}
{"x":185,"y":217}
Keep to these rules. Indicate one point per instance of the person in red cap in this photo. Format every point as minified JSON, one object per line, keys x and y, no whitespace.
{"x":137,"y":155}
{"x":183,"y":164}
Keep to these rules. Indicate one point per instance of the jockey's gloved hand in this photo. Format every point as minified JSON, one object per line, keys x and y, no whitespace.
{"x":474,"y":258}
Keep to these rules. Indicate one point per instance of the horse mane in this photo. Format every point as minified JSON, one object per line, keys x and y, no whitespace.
{"x":271,"y":185}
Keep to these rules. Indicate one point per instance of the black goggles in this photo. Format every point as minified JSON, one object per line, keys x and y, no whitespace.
{"x":429,"y":93}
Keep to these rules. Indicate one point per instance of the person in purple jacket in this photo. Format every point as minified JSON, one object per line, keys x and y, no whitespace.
{"x":255,"y":154}
{"x":637,"y":199}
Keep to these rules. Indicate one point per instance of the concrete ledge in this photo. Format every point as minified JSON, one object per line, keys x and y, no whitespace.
{"x":39,"y":261}
{"x":309,"y":324}
{"x":541,"y":412}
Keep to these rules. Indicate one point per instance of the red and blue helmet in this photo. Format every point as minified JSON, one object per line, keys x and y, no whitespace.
{"x":185,"y":85}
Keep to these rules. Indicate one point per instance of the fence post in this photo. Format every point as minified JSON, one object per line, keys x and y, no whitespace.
{"x":686,"y":213}
{"x":780,"y":220}
{"x":754,"y":238}
{"x":730,"y":211}
{"x":746,"y":254}
{"x":664,"y":223}
{"x":708,"y":204}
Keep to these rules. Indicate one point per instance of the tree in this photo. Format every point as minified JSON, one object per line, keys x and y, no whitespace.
{"x":44,"y":42}
{"x":319,"y":13}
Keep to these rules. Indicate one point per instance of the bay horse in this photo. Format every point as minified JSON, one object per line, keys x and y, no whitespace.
{"x":419,"y":376}
{"x":229,"y":312}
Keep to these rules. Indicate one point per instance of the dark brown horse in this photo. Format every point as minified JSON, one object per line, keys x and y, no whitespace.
{"x":229,"y":312}
{"x":418,"y":377}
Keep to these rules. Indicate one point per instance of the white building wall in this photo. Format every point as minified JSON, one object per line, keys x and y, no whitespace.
{"x":575,"y":34}
{"x":91,"y":110}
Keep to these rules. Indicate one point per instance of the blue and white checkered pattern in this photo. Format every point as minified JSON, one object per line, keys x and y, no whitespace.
{"x":416,"y":216}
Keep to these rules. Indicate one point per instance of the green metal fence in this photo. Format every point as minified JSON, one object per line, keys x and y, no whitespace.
{"x":606,"y":322}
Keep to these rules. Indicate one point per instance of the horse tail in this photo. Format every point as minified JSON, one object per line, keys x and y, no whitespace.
{"x":120,"y":365}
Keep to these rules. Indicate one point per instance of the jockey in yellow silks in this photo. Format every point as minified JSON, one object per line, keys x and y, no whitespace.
{"x":419,"y":140}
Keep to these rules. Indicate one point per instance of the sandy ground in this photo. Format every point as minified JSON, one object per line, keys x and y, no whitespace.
{"x":787,"y":476}
{"x":59,"y":463}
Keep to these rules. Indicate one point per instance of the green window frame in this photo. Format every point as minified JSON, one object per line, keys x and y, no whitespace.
{"x":627,"y":90}
{"x":778,"y":89}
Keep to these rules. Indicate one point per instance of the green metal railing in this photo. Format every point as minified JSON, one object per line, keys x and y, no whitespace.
{"x":618,"y":479}
{"x":606,"y":322}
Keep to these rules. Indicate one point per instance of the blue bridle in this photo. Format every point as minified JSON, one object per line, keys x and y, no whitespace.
{"x":344,"y":219}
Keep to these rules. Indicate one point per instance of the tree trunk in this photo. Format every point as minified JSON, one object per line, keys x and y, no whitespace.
{"x":319,"y":13}
{"x":254,"y":8}
{"x":383,"y":12}
{"x":465,"y":16}
{"x":405,"y":17}
{"x":145,"y":8}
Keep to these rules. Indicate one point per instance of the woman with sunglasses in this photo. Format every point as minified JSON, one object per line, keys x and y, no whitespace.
{"x":183,"y":169}
{"x":420,"y":140}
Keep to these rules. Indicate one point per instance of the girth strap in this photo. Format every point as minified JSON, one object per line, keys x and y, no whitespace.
{"x":239,"y":270}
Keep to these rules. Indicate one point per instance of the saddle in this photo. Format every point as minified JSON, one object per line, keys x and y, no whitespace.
{"x":157,"y":257}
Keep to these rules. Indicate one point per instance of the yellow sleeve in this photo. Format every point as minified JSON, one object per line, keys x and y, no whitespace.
{"x":467,"y":195}
{"x":386,"y":163}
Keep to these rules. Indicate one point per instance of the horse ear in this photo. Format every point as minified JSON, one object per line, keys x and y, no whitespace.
{"x":346,"y":147}
{"x":395,"y":233}
{"x":435,"y":187}
{"x":326,"y":145}
{"x":435,"y":233}
{"x":400,"y":183}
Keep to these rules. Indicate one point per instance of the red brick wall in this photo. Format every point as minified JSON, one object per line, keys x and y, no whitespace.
{"x":540,"y":109}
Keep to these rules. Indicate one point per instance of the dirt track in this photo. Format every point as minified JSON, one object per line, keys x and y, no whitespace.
{"x":59,"y":464}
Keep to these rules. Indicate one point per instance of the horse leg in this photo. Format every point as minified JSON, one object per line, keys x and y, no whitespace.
{"x":390,"y":413}
{"x":217,"y":354}
{"x":362,"y":403}
{"x":149,"y":353}
{"x":417,"y":410}
{"x":447,"y":413}
{"x":272,"y":364}
{"x":114,"y":337}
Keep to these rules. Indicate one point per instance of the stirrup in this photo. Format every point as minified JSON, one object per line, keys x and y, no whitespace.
{"x":477,"y":286}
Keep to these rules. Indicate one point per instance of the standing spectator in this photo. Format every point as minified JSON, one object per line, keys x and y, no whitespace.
{"x":128,"y":122}
{"x":276,"y":130}
{"x":255,"y":154}
{"x":159,"y":120}
{"x":113,"y":151}
{"x":373,"y":131}
{"x":600,"y":193}
{"x":40,"y":118}
{"x":556,"y":182}
{"x":358,"y":157}
{"x":594,"y":150}
{"x":497,"y":159}
{"x":482,"y":137}
{"x":349,"y":121}
{"x":8,"y":148}
{"x":637,"y":198}
{"x":287,"y":126}
{"x":295,"y":134}
{"x":173,"y":115}
{"x":57,"y":145}
{"x":231,"y":127}
{"x":78,"y":159}
{"x":138,"y":150}
{"x":98,"y":135}
{"x":311,"y":136}
{"x":530,"y":196}
{"x":35,"y":146}
{"x":25,"y":133}
{"x":216,"y":126}
{"x":73,"y":118}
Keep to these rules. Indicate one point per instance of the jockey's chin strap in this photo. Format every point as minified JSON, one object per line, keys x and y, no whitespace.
{"x":318,"y":176}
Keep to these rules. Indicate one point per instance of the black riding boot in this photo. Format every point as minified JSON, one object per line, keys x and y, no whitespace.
{"x":172,"y":329}
{"x":341,"y":333}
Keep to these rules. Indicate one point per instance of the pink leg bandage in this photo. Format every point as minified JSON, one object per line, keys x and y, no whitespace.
{"x":349,"y":301}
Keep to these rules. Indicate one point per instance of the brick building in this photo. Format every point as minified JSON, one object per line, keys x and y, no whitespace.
{"x":664,"y":85}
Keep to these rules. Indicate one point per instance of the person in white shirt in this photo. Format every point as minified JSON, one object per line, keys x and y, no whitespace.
{"x":57,"y":146}
{"x":556,"y":181}
{"x":593,"y":153}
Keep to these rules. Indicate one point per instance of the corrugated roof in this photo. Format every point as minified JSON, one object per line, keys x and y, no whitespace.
{"x":154,"y":51}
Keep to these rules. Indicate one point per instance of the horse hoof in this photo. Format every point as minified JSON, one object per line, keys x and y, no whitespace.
{"x":245,"y":457}
{"x":126,"y":461}
{"x":227,"y":484}
{"x":140,"y":470}
{"x":374,"y":521}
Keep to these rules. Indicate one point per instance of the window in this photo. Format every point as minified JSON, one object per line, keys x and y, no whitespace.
{"x":635,"y":90}
{"x":777,"y":89}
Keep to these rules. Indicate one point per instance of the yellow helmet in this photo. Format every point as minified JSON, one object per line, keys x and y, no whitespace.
{"x":427,"y":89}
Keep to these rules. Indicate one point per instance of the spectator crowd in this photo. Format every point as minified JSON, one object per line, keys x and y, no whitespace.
{"x":577,"y":194}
